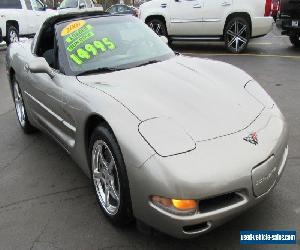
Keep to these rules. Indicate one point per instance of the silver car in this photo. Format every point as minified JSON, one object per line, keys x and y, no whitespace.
{"x":178,"y":143}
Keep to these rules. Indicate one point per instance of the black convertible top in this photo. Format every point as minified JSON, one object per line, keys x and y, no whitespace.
{"x":73,"y":15}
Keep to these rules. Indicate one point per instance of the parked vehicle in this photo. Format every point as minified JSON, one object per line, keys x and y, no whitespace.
{"x":234,"y":22}
{"x":290,"y":20}
{"x":21,"y":18}
{"x":123,"y":9}
{"x":77,"y":5}
{"x":275,"y":9}
{"x":180,"y":143}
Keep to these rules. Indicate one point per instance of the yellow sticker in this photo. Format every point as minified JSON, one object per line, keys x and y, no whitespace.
{"x":70,"y":28}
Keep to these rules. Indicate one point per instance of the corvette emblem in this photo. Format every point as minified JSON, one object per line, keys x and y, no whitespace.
{"x":252,"y":138}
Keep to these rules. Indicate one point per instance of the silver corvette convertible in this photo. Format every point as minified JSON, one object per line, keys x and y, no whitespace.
{"x":180,"y":144}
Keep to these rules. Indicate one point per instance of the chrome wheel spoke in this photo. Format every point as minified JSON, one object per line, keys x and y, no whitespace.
{"x":231,"y":33}
{"x":97,"y":175}
{"x":106,"y":196}
{"x":157,"y":29}
{"x":242,"y":39}
{"x":114,"y":193}
{"x":242,"y":30}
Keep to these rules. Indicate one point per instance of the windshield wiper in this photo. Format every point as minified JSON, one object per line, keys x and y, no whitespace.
{"x":147,"y":63}
{"x":99,"y":70}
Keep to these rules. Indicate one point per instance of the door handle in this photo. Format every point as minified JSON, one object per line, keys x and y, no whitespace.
{"x":225,"y":4}
{"x":197,"y":6}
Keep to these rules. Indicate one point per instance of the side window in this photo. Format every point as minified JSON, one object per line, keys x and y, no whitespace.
{"x":69,"y":4}
{"x":89,"y":3}
{"x":28,"y":4}
{"x":37,"y":5}
{"x":10,"y":4}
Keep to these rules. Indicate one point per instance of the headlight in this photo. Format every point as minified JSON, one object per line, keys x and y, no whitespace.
{"x":255,"y":90}
{"x":166,"y":137}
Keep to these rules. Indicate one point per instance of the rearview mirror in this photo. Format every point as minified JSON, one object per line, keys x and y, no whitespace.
{"x":40,"y":65}
{"x":164,"y":39}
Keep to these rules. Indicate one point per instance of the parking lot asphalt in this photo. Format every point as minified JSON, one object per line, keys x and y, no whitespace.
{"x":46,"y":202}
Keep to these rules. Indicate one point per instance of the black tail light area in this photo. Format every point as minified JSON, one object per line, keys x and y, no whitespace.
{"x":218,"y":202}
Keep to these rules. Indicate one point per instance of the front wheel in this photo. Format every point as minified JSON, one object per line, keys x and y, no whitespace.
{"x":109,"y":176}
{"x":12,"y":35}
{"x":295,"y":40}
{"x":21,"y":110}
{"x":237,"y":35}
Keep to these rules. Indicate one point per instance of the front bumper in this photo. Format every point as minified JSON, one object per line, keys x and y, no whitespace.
{"x":225,"y":170}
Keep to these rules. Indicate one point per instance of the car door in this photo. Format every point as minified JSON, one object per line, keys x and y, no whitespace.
{"x":214,"y":16}
{"x":186,"y":17}
{"x":45,"y":96}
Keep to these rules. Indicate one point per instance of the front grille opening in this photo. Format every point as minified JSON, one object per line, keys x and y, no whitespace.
{"x":196,"y":228}
{"x":219,"y":202}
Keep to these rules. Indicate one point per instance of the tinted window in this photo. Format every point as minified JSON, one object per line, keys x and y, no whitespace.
{"x":37,"y":5}
{"x":10,"y":4}
{"x":107,"y":42}
{"x":89,"y":3}
{"x":28,"y":4}
{"x":69,"y":4}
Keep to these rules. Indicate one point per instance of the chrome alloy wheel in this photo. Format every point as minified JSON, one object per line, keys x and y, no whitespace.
{"x":156,"y":27}
{"x":13,"y":36}
{"x":237,"y":36}
{"x":19,"y":104}
{"x":106,"y":177}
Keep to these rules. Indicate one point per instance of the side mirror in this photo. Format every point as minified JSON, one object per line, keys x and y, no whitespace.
{"x":39,"y":65}
{"x":82,"y":6}
{"x":164,"y":39}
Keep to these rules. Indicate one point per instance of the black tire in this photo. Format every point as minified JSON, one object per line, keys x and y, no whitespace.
{"x":295,"y":40}
{"x":237,"y":39}
{"x":158,"y":26}
{"x":123,"y":215}
{"x":24,"y":121}
{"x":12,"y":35}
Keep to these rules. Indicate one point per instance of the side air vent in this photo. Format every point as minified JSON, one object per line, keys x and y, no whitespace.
{"x":218,"y":202}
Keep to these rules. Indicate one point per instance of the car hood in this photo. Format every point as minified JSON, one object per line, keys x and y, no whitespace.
{"x":205,"y":97}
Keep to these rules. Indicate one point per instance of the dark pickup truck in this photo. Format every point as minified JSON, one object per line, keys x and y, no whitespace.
{"x":290,"y":17}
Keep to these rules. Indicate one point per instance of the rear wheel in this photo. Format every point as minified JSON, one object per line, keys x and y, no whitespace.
{"x":237,"y":34}
{"x":12,"y":35}
{"x":295,"y":40}
{"x":109,"y":176}
{"x":21,"y":110}
{"x":158,"y":26}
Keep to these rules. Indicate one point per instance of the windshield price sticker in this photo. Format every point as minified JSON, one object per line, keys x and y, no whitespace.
{"x":76,"y":34}
{"x":72,"y":27}
{"x":92,"y":49}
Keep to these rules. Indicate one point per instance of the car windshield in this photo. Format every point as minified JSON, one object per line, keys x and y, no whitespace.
{"x":108,"y":43}
{"x":68,"y":4}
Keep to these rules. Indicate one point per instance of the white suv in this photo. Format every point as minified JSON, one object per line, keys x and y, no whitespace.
{"x":21,"y":18}
{"x":233,"y":21}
